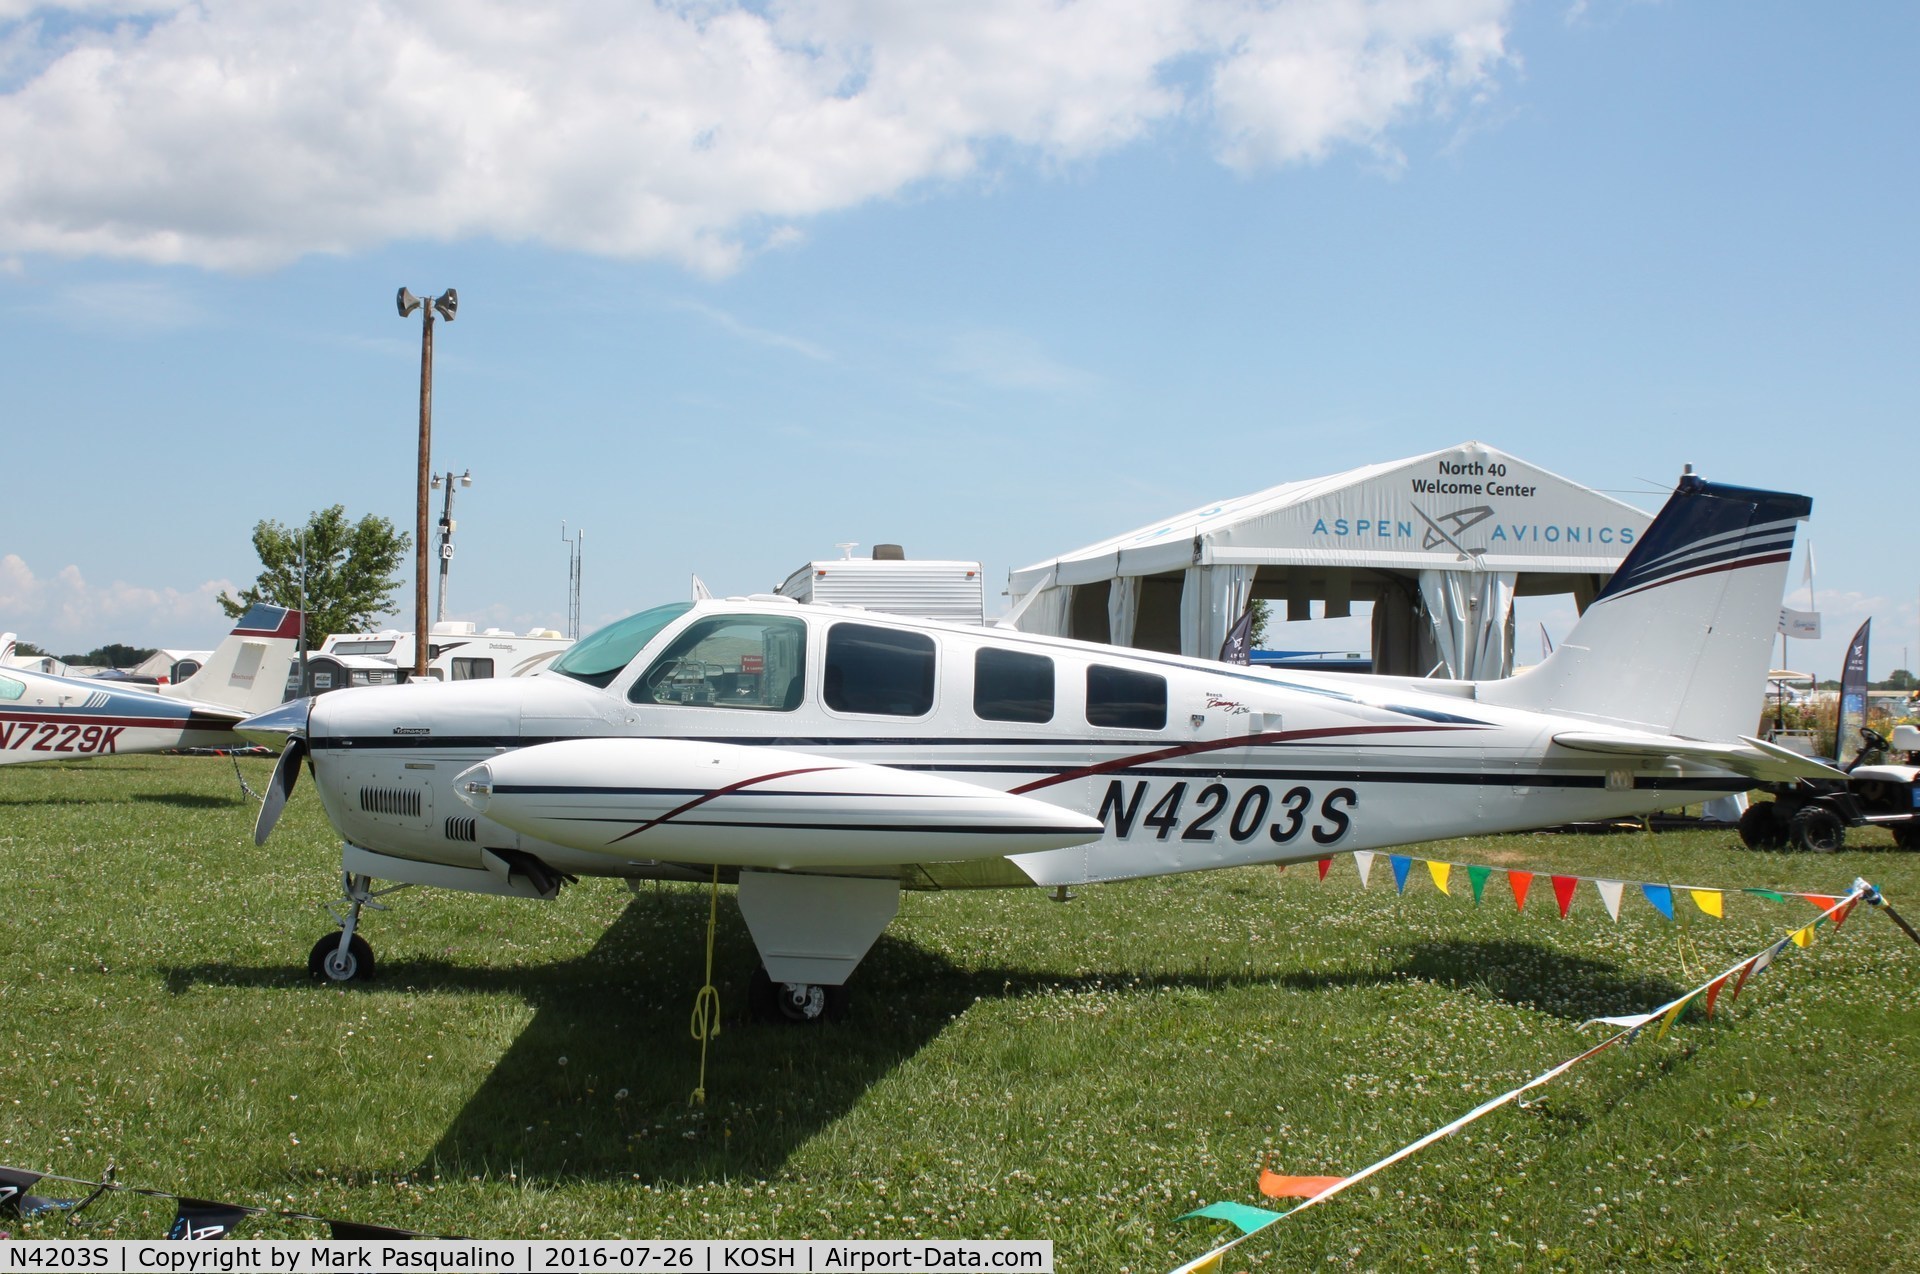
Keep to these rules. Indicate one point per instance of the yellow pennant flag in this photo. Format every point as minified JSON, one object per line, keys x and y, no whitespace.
{"x":1666,"y":1023}
{"x":1708,"y":900}
{"x":1439,"y":872}
{"x":1803,"y":937}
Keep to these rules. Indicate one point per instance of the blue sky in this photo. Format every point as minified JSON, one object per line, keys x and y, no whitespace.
{"x":991,"y":280}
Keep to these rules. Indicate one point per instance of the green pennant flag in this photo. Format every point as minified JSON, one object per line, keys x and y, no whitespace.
{"x":1478,"y":875}
{"x":1769,"y":894}
{"x":1239,"y":1215}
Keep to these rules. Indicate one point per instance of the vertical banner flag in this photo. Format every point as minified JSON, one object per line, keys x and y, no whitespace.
{"x":1853,"y":699}
{"x":1238,"y":647}
{"x":204,"y":1219}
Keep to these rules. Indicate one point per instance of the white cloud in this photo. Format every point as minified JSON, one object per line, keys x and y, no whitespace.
{"x":66,"y":613}
{"x":241,"y":135}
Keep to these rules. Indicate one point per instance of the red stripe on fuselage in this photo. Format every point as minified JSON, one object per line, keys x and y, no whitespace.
{"x":1218,"y":745}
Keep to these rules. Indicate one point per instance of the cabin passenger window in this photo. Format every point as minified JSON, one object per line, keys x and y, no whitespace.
{"x":11,"y":689}
{"x":1012,"y":685}
{"x":881,"y":671}
{"x":731,"y":661}
{"x":1125,"y":698}
{"x":472,"y":669}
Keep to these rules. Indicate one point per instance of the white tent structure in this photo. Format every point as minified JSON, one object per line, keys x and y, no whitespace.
{"x":1439,"y":544}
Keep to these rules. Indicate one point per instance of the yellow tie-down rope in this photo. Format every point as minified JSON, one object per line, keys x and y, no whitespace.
{"x":706,"y":1005}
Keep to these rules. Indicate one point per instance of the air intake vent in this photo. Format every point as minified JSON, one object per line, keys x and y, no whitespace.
{"x":401,"y":802}
{"x":463,"y":829}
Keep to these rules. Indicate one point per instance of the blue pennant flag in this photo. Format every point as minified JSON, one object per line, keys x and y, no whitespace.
{"x":1401,"y":866}
{"x":1661,"y":897}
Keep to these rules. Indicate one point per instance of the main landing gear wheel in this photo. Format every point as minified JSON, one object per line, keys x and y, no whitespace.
{"x":794,"y":1003}
{"x":1817,"y":830}
{"x":328,"y":963}
{"x":1761,"y":826}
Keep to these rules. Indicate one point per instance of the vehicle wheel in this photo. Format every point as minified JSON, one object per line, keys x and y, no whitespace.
{"x":326,"y":964}
{"x":1817,"y":829}
{"x":1761,"y":826}
{"x":1907,"y":835}
{"x":794,"y":1004}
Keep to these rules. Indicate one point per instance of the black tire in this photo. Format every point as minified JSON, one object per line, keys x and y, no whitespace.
{"x":1906,"y":835}
{"x":1817,"y":830}
{"x":1761,"y":826}
{"x":326,"y":964}
{"x":775,"y":1004}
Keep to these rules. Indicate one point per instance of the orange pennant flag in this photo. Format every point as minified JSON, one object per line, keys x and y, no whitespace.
{"x":1521,"y":882}
{"x":1275,"y":1186}
{"x":1822,"y":901}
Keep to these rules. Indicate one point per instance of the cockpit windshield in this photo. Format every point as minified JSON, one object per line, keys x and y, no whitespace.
{"x":598,"y":657}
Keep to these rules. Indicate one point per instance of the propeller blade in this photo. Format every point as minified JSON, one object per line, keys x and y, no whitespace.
{"x":285,"y":775}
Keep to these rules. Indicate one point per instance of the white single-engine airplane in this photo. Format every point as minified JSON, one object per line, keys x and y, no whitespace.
{"x":822,"y":758}
{"x":49,"y":718}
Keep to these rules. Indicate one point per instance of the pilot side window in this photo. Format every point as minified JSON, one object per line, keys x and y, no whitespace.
{"x":731,"y":661}
{"x":11,"y":689}
{"x":1012,"y":685}
{"x":880,"y":671}
{"x":1125,"y":698}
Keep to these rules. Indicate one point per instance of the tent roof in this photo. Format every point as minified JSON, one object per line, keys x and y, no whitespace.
{"x":1412,"y":514}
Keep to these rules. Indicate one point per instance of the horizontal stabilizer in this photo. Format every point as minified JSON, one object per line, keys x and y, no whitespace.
{"x":1755,"y":758}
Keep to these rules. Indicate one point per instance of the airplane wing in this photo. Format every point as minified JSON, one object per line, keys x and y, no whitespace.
{"x":1755,"y":758}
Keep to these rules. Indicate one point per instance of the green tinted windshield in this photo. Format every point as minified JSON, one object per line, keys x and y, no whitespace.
{"x":598,"y":657}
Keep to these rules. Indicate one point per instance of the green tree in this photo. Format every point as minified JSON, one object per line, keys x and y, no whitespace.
{"x":112,"y":655}
{"x":350,"y":571}
{"x":28,"y":648}
{"x":1900,"y":680}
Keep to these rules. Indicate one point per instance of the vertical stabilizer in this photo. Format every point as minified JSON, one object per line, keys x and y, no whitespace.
{"x":1678,"y":641}
{"x":247,"y":672}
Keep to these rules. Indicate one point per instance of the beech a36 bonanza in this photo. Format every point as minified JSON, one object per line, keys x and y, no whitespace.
{"x":49,"y":718}
{"x":823,"y":759}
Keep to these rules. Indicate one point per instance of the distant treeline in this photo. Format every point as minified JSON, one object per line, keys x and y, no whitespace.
{"x":112,"y":655}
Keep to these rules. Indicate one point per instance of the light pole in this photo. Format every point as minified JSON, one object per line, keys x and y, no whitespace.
{"x":446,"y":535}
{"x":444,"y":304}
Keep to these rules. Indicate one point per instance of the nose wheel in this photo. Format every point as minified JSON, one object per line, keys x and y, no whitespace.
{"x":332,"y":960}
{"x":794,"y":1003}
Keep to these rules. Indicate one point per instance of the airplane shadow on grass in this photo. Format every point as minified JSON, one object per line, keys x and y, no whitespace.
{"x":597,"y":1086}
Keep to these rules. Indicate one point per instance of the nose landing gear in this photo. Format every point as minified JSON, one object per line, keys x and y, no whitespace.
{"x":348,"y":957}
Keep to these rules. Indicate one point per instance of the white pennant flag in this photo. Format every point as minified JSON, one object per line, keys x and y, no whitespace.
{"x":1610,"y":894}
{"x":1363,"y":859}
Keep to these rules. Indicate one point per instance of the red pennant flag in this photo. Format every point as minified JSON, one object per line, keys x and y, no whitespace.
{"x":1275,"y":1186}
{"x":1840,"y":916}
{"x":1521,"y":882}
{"x":1563,"y":887}
{"x":1745,"y":969}
{"x":1324,"y":864}
{"x":1713,"y":993}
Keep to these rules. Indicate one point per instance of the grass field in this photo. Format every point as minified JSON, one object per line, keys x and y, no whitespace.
{"x":1012,"y":1067}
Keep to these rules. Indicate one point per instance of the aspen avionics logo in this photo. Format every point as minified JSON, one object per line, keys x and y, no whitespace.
{"x":1491,"y":531}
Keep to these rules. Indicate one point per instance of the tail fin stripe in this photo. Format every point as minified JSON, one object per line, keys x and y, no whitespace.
{"x":1710,"y":555}
{"x":1705,"y":570}
{"x":1771,"y":530}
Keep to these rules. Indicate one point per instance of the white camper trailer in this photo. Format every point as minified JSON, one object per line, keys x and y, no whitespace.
{"x":457,"y":651}
{"x":889,"y":583}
